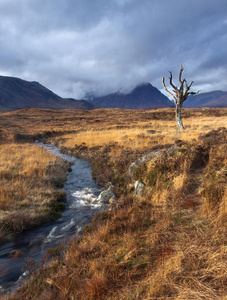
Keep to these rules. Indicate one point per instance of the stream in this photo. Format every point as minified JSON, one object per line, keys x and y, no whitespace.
{"x":80,"y":189}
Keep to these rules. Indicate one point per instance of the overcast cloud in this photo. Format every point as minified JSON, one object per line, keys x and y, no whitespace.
{"x":77,"y":46}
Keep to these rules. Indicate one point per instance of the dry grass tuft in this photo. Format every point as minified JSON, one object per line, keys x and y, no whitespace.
{"x":29,"y":176}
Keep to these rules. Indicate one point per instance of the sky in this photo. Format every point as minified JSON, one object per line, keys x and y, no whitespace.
{"x":75,"y":47}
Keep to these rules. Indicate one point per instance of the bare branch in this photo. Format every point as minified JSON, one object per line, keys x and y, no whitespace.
{"x":180,"y":73}
{"x":171,"y":82}
{"x":190,"y":85}
{"x":193,"y":93}
{"x":182,"y":85}
{"x":186,"y":85}
{"x":174,"y":98}
{"x":187,"y":88}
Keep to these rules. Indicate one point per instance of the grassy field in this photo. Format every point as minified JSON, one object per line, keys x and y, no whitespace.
{"x":170,"y":242}
{"x":29,"y":182}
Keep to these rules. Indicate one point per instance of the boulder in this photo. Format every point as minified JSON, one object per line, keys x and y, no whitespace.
{"x":139,"y":186}
{"x":147,"y":157}
{"x":106,"y":197}
{"x":139,"y":162}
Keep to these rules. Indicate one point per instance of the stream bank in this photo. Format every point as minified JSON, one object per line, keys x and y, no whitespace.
{"x":81,"y":189}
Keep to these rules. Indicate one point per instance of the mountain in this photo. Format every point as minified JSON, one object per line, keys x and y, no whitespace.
{"x":143,"y":96}
{"x":211,"y":99}
{"x":16,"y":93}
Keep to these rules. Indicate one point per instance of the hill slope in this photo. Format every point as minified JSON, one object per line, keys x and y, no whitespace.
{"x":211,"y":99}
{"x":16,"y":93}
{"x":143,"y":96}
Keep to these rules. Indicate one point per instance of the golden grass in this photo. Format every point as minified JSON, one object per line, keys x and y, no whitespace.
{"x":28,"y":175}
{"x":22,"y":166}
{"x":168,"y":243}
{"x":48,"y":122}
{"x":141,"y":137}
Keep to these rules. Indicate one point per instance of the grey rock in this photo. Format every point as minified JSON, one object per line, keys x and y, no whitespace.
{"x":142,"y":160}
{"x":149,"y":156}
{"x":139,"y":186}
{"x":106,"y":197}
{"x":172,"y":149}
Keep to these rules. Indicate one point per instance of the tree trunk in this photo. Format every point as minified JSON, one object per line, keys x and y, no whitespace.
{"x":180,"y":125}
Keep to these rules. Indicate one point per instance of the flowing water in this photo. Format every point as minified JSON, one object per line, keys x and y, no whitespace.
{"x":81,"y":190}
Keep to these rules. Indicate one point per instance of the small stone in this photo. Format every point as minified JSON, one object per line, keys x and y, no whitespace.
{"x":139,"y":186}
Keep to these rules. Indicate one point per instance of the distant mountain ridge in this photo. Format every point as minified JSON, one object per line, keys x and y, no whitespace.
{"x":143,"y":96}
{"x":16,"y":93}
{"x":210,"y":99}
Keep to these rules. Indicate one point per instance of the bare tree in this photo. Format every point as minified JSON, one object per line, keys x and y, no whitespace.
{"x":179,"y":95}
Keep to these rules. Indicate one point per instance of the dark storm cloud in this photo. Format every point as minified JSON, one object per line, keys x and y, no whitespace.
{"x":77,"y":46}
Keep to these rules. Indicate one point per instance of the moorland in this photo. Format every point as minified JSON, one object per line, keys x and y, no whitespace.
{"x":167,"y":242}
